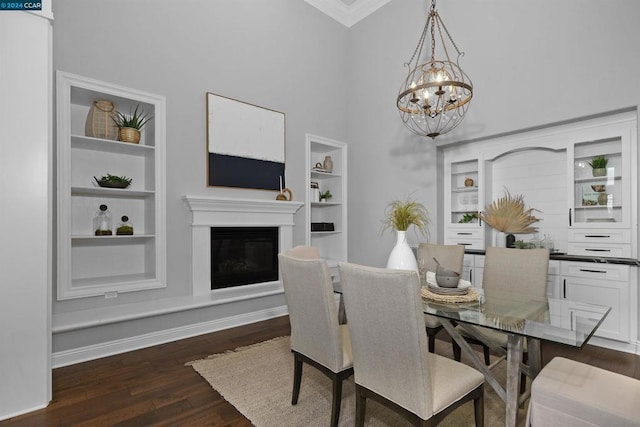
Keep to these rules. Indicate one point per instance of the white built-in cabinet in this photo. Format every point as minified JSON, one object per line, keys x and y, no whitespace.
{"x":464,"y":194}
{"x":332,"y":244}
{"x":550,"y":167}
{"x":90,"y":265}
{"x":610,"y":285}
{"x":602,"y":208}
{"x":586,"y":214}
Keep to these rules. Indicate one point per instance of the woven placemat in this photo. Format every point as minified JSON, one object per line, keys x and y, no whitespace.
{"x":454,"y":299}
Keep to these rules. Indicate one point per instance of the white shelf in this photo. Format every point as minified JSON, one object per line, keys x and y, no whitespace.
{"x":109,"y":146}
{"x":112,"y":238}
{"x":331,"y":244}
{"x":317,"y":174}
{"x":90,"y":265}
{"x":597,"y":179}
{"x":110,"y":192}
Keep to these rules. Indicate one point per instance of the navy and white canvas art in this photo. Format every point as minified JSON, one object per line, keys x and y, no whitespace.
{"x":246,"y":144}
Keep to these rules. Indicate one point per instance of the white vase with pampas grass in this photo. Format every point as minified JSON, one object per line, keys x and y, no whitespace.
{"x":508,"y":214}
{"x":399,"y":216}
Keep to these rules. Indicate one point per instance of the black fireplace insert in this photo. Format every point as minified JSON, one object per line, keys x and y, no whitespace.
{"x":243,"y":256}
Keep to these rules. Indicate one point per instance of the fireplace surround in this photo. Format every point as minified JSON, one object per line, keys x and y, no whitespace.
{"x":208,"y":212}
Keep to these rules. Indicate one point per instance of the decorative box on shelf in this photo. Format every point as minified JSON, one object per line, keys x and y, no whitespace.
{"x":322,"y":226}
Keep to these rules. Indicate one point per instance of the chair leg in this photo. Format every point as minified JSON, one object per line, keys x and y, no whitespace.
{"x":487,"y":355}
{"x":432,"y":343}
{"x":523,"y":377}
{"x":361,"y":403}
{"x":337,"y":399}
{"x":457,"y":351}
{"x":297,"y":378}
{"x":478,"y":409}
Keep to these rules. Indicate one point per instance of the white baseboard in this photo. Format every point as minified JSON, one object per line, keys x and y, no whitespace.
{"x":83,"y":354}
{"x":630,"y":347}
{"x":24,"y":411}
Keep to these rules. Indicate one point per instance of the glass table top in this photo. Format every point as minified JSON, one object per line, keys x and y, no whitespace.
{"x":550,"y":319}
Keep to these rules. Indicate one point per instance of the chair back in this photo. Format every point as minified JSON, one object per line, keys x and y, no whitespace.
{"x":304,"y":252}
{"x":521,"y":270}
{"x":450,"y":257}
{"x":386,"y":325}
{"x":312,"y":310}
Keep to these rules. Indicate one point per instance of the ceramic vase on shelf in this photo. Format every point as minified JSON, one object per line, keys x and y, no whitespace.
{"x":401,"y":256}
{"x":501,"y":239}
{"x":328,"y":164}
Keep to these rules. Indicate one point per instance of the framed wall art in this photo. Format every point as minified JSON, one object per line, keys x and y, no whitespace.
{"x":245,"y":144}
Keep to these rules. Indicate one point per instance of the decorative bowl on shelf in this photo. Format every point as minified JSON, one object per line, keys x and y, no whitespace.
{"x":112,"y":181}
{"x":599,"y":187}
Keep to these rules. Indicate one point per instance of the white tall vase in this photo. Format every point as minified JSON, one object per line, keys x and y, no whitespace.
{"x":401,"y":256}
{"x":501,"y":239}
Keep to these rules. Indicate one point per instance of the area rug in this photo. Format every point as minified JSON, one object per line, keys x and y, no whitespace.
{"x":257,"y":380}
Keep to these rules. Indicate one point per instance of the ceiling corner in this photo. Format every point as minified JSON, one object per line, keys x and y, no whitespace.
{"x":347,"y":12}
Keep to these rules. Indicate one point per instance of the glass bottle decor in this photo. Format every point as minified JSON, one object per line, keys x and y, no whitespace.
{"x":102,"y":224}
{"x":125,"y":227}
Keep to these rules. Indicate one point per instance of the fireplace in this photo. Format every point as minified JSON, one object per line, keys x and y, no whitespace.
{"x":218,"y":212}
{"x":243,"y":256}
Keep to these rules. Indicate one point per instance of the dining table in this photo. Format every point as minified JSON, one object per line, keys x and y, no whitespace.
{"x":523,"y":318}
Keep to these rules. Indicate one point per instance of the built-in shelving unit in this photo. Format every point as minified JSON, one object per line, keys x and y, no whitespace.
{"x":90,"y":265}
{"x":463,"y":200}
{"x":332,"y":244}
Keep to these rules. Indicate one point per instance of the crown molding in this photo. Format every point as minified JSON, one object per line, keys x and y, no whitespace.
{"x":347,"y":15}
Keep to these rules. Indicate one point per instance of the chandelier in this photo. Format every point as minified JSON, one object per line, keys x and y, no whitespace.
{"x":435,"y":95}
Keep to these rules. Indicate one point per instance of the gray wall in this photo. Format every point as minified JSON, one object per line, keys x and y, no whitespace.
{"x":280,"y":54}
{"x":531,"y":63}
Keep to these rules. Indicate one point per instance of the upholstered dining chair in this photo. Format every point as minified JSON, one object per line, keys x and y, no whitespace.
{"x":450,"y":257}
{"x":390,"y":358}
{"x":316,"y":337}
{"x":521,"y":270}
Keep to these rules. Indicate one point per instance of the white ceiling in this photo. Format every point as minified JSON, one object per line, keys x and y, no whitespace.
{"x":348,"y":12}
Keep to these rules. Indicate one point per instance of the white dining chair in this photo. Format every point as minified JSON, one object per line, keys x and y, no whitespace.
{"x":316,"y":337}
{"x":390,"y":358}
{"x":515,"y":270}
{"x":450,"y":257}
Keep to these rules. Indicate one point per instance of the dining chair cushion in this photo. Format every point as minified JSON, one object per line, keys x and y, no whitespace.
{"x":570,"y":394}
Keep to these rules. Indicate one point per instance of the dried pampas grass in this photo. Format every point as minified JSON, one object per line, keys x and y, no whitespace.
{"x":509,"y":215}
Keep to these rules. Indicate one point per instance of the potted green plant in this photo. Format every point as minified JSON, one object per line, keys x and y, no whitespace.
{"x":112,"y":181}
{"x":468,"y":217}
{"x":325,"y":195}
{"x":599,"y":165}
{"x":400,"y":215}
{"x":130,"y":125}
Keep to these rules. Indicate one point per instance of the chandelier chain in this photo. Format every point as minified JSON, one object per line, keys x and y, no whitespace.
{"x":418,"y":49}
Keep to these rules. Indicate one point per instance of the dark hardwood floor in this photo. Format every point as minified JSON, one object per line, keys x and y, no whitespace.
{"x":153,"y":387}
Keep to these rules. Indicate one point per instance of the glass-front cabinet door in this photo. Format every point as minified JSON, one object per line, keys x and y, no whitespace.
{"x":601,"y":184}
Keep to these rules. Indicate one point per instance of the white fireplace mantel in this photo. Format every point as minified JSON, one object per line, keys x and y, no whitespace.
{"x":228,"y":212}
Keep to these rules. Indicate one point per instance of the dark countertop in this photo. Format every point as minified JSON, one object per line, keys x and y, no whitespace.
{"x":580,"y":258}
